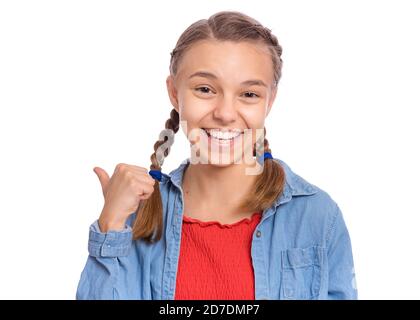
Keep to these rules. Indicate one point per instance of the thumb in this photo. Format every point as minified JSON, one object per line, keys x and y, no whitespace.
{"x":103,"y":178}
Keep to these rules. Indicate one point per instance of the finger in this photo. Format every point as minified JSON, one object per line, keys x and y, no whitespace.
{"x":145,"y":174}
{"x":145,"y":196}
{"x":131,"y":167}
{"x":103,"y":178}
{"x":145,"y":190}
{"x":140,"y":169}
{"x":147,"y":179}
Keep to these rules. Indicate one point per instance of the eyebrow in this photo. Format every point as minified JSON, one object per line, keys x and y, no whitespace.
{"x":209,"y":75}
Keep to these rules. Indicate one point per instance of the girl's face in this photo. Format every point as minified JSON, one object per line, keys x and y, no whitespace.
{"x":223,"y":92}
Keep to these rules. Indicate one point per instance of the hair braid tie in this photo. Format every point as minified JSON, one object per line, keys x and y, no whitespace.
{"x":156,"y":174}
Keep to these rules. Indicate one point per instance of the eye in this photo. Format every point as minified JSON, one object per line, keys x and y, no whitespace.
{"x":206,"y":89}
{"x":250,"y":95}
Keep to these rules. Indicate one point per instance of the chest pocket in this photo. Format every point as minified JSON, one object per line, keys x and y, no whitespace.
{"x":301,"y":272}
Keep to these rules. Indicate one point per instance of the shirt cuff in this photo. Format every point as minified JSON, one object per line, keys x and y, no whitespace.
{"x":111,"y":243}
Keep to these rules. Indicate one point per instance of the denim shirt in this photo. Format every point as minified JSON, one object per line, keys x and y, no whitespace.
{"x":300,"y":249}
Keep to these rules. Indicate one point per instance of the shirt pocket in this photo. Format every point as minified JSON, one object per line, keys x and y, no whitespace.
{"x":301,"y":272}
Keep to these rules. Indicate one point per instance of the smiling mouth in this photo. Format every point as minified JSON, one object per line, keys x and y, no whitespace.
{"x":223,"y":135}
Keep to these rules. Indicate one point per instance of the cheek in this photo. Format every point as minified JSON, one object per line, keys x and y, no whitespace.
{"x":254,"y":117}
{"x":193,"y":109}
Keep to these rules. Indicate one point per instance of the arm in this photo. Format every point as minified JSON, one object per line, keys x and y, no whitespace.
{"x":113,"y":269}
{"x":105,"y":273}
{"x":342,"y":282}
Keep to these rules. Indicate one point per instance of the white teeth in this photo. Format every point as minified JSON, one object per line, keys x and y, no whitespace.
{"x":223,"y":135}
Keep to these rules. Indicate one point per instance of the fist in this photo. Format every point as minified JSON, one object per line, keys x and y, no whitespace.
{"x":123,"y":192}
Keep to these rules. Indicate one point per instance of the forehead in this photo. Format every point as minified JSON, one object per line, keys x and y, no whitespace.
{"x":228,"y":60}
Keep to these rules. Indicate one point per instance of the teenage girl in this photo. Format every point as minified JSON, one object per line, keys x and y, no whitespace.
{"x":232,"y":221}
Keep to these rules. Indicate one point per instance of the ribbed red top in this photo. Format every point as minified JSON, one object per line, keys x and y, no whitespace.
{"x":215,"y":260}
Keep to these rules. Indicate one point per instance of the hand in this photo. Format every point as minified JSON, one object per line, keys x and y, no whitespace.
{"x":122,"y":192}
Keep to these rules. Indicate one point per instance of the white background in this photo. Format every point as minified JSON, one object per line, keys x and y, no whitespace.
{"x":82,"y":84}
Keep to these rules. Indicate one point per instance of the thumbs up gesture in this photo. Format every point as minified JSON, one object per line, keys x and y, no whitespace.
{"x":122,"y":192}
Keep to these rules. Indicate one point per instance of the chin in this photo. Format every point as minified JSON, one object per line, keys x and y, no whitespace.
{"x":222,"y":161}
{"x":221,"y":164}
{"x":227,"y":156}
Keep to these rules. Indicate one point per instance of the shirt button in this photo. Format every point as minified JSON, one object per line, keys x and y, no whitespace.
{"x":258,"y":234}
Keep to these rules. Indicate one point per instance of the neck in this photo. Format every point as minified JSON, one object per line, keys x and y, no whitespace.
{"x":218,"y":187}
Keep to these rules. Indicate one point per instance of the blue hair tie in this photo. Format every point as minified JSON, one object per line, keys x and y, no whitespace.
{"x":267,"y":155}
{"x":156,"y":174}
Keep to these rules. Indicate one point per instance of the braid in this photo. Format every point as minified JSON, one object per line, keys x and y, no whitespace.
{"x":171,"y":124}
{"x":277,"y":50}
{"x":266,"y":144}
{"x":269,"y":184}
{"x":148,"y":224}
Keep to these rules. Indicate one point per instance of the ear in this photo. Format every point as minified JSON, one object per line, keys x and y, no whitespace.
{"x":170,"y":84}
{"x":271,"y":101}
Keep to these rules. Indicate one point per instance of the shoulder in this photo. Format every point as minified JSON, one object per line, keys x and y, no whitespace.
{"x":298,"y":188}
{"x":306,"y":206}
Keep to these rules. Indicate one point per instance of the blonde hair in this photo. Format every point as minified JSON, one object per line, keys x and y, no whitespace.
{"x":231,"y":26}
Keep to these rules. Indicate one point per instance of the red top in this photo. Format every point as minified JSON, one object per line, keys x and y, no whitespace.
{"x":215,"y":260}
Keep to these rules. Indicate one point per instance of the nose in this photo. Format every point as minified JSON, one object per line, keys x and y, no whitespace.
{"x":225,"y":112}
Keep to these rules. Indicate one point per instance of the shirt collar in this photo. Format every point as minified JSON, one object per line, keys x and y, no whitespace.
{"x":294,"y":185}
